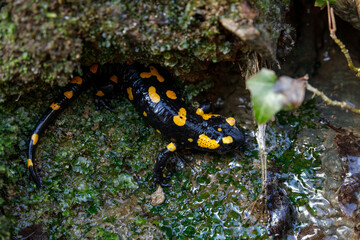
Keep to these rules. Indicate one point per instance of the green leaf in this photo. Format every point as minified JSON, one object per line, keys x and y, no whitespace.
{"x":266,"y":103}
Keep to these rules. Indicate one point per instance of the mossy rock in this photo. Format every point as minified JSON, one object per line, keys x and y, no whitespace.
{"x":42,"y":43}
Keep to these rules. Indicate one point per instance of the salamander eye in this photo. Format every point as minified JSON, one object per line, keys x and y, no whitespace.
{"x":227,"y":140}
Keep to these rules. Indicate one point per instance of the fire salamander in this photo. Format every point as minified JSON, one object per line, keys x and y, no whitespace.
{"x":154,"y":94}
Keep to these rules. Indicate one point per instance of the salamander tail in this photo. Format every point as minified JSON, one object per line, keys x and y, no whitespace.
{"x":33,"y":174}
{"x":71,"y":91}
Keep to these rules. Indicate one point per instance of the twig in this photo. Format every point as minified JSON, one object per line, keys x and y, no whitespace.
{"x":332,"y":29}
{"x":330,"y":102}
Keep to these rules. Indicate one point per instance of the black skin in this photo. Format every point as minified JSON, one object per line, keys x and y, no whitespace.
{"x":155,"y":96}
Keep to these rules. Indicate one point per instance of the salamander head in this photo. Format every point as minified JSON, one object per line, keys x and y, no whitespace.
{"x":232,"y":138}
{"x":221,"y":135}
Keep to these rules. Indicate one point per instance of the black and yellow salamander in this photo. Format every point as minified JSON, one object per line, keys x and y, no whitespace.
{"x":154,"y":94}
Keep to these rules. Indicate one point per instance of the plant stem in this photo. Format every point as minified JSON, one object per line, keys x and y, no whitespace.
{"x":260,"y":138}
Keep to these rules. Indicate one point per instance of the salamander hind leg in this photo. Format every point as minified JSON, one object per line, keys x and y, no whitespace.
{"x":159,"y":169}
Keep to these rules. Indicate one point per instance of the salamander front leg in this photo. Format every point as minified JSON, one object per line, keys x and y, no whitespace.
{"x":159,"y":174}
{"x":103,"y":100}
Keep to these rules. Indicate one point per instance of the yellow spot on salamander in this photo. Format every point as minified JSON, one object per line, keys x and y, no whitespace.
{"x":200,"y":112}
{"x":231,"y":121}
{"x":153,"y":72}
{"x":227,"y":140}
{"x":114,"y":79}
{"x":190,"y":140}
{"x":68,"y":94}
{"x":153,"y":95}
{"x":76,"y":80}
{"x":219,"y":129}
{"x":209,"y":115}
{"x":100,"y":93}
{"x":94,"y":68}
{"x":35,"y":138}
{"x":158,"y":131}
{"x":180,"y":119}
{"x":171,"y":147}
{"x":206,"y":116}
{"x":206,"y":142}
{"x":55,"y":106}
{"x":145,"y":114}
{"x":171,"y":94}
{"x":129,"y":91}
{"x":29,"y":163}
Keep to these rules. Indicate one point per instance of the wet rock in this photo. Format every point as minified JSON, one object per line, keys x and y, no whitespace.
{"x":348,"y":197}
{"x":349,"y":150}
{"x":348,"y":10}
{"x":311,"y":233}
{"x":280,"y":210}
{"x":345,"y":232}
